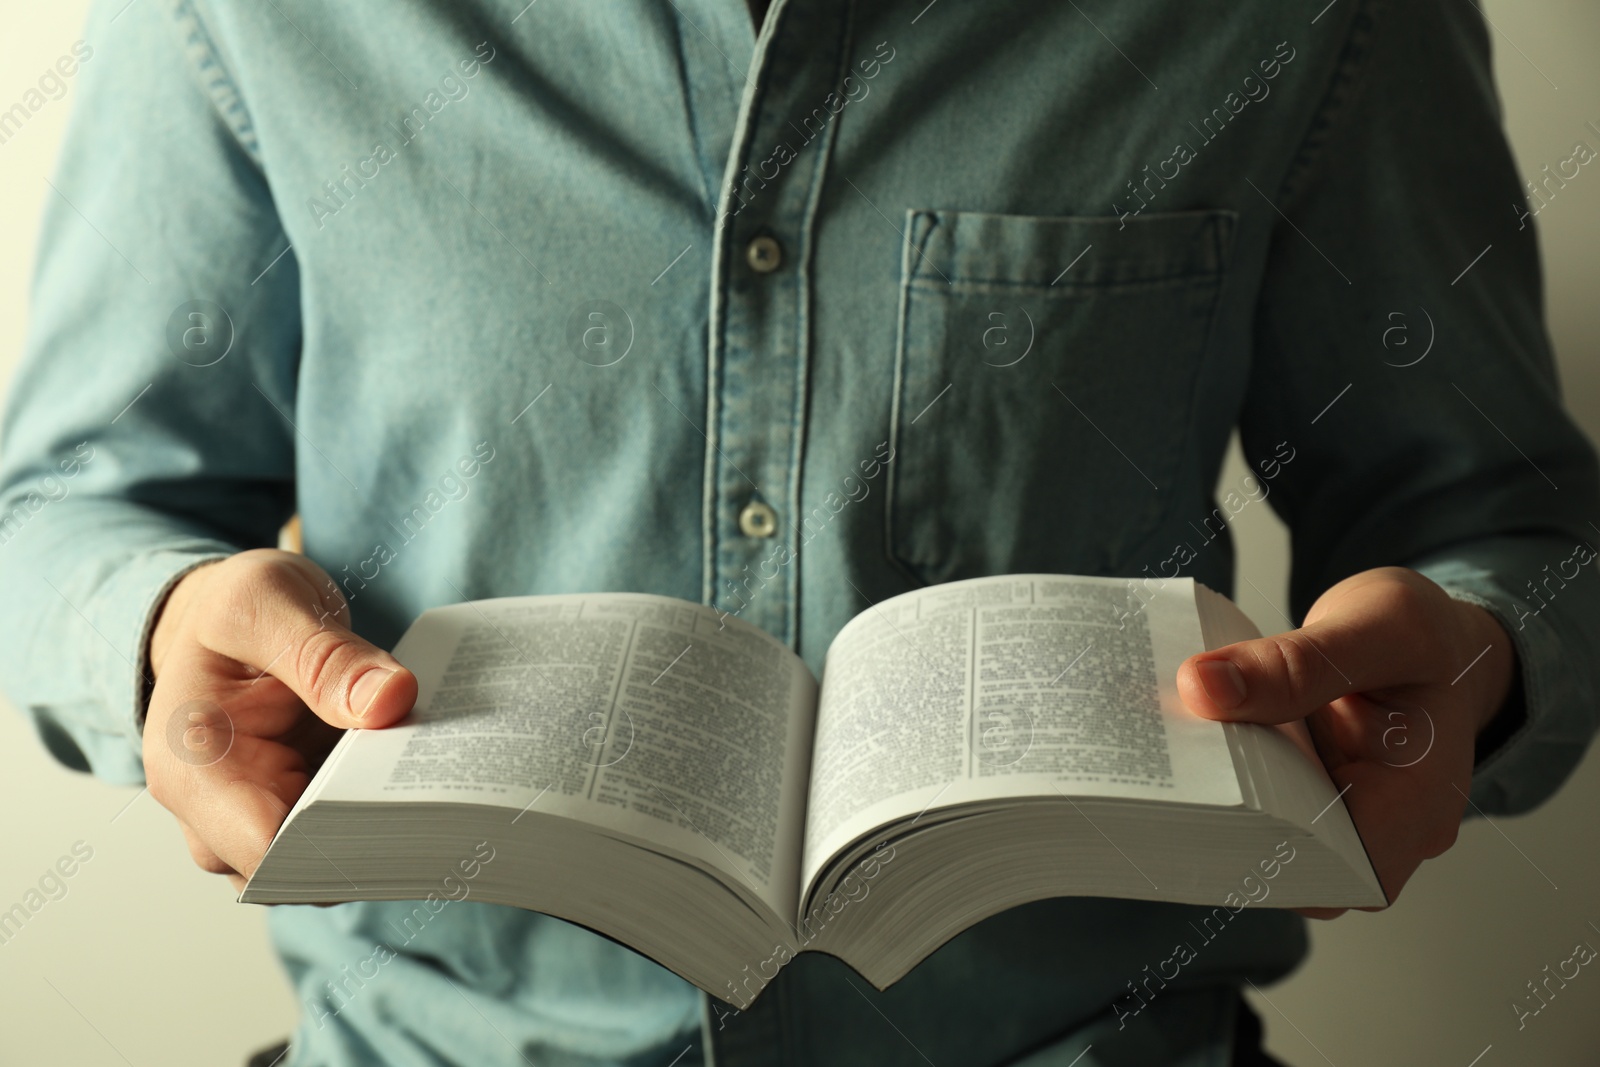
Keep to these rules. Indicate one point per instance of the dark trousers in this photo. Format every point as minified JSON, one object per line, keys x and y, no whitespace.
{"x":1247,"y":1050}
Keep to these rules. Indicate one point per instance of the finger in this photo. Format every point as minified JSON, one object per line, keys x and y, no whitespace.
{"x":280,"y":614}
{"x":1354,"y":728}
{"x":238,"y":820}
{"x":1371,"y":635}
{"x":201,"y":853}
{"x":1403,"y":819}
{"x":229,"y":809}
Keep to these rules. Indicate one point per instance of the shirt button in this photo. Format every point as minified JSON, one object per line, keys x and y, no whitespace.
{"x":764,"y":254}
{"x":758,"y":520}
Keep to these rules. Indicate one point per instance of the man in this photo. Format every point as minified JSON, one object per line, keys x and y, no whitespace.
{"x":661,"y":281}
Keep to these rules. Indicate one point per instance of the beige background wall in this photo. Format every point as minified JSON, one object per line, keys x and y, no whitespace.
{"x":148,"y":961}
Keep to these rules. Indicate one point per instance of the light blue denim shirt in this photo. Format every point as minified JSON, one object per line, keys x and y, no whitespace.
{"x":788,"y":322}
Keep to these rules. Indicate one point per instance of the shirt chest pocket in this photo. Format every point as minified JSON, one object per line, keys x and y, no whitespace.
{"x":1045,"y":386}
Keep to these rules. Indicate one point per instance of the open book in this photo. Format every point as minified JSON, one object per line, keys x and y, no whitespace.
{"x":678,"y":780}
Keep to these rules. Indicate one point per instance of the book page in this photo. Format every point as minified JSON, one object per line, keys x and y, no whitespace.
{"x":643,"y":715}
{"x":1023,"y":685}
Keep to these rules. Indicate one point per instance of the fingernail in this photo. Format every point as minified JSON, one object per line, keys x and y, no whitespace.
{"x":366,"y":689}
{"x":1224,"y":684}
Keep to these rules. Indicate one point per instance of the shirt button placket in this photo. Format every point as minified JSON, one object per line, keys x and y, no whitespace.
{"x":759,"y":340}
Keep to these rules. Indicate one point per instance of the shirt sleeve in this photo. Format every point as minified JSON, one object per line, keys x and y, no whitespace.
{"x":1401,"y":351}
{"x":147,"y":429}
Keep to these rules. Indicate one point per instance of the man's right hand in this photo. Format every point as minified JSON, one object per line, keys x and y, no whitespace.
{"x":256,"y":673}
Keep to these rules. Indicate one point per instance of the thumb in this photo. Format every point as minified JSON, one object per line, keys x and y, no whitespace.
{"x":282,"y":615}
{"x":1290,"y":675}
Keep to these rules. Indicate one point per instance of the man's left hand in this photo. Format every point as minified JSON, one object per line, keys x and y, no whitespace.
{"x":1394,"y":679}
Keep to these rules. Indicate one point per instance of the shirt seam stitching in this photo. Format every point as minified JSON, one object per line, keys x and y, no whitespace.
{"x":1344,"y":86}
{"x":219,"y":84}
